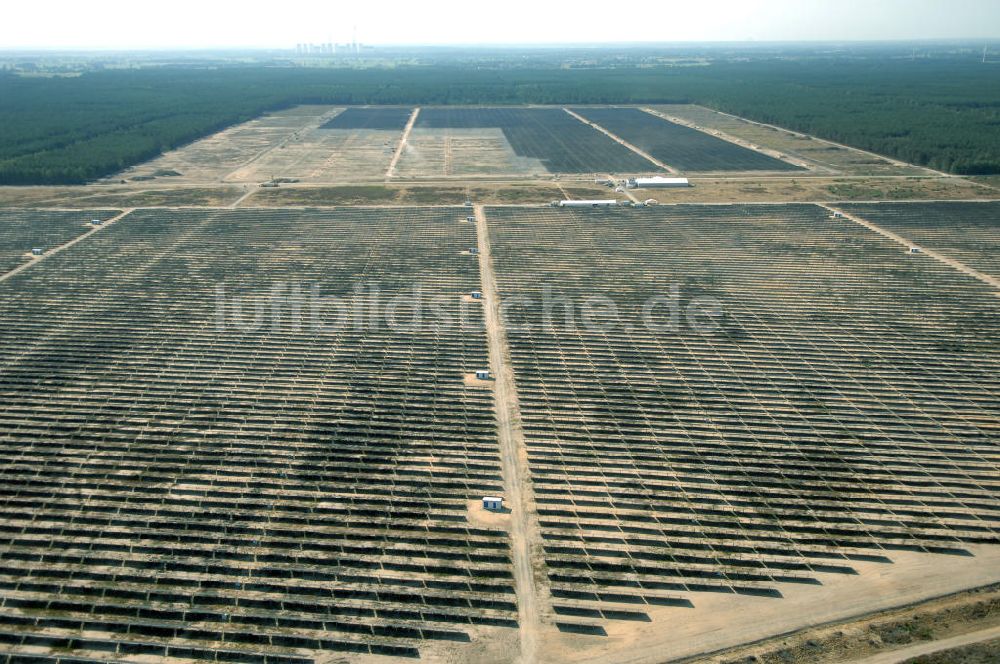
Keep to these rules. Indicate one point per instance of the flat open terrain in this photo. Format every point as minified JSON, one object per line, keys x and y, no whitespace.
{"x":463,"y":151}
{"x":324,"y":155}
{"x":309,"y":144}
{"x":732,"y":159}
{"x":214,"y":158}
{"x":559,"y":142}
{"x":242,"y":423}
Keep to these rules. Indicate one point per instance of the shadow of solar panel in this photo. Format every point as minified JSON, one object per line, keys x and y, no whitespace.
{"x":579,"y":628}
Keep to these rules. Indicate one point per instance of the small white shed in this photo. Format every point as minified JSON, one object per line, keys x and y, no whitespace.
{"x":493,"y":503}
{"x":483,"y":374}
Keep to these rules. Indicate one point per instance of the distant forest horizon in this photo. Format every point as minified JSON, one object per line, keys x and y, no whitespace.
{"x":66,"y":126}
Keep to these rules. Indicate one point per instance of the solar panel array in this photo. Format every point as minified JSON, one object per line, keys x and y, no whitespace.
{"x":966,"y":231}
{"x":560,"y":141}
{"x":803,"y":394}
{"x":21,"y":231}
{"x":175,"y":481}
{"x":681,"y":147}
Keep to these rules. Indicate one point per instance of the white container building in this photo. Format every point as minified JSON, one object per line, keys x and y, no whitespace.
{"x":588,"y":204}
{"x":658,"y":182}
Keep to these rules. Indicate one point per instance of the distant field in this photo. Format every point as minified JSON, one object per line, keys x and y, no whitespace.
{"x":234,"y":150}
{"x":559,"y":141}
{"x":370,"y":118}
{"x":68,"y":130}
{"x":817,"y":153}
{"x":472,"y":152}
{"x":681,"y":147}
{"x":968,"y":232}
{"x":323,"y":155}
{"x":290,"y":145}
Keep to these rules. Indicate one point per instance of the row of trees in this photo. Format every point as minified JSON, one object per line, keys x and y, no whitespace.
{"x":944,"y":114}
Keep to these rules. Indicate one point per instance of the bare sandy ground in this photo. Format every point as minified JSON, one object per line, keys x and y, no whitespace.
{"x":462,"y":152}
{"x":723,"y":621}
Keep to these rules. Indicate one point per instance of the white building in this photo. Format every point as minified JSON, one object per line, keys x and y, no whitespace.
{"x":494,"y":503}
{"x":657,"y":182}
{"x":588,"y":204}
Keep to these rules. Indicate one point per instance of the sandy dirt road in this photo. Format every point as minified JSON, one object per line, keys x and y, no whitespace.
{"x":524,"y":533}
{"x":402,"y":143}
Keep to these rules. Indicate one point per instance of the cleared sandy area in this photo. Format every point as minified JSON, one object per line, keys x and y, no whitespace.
{"x":463,"y":152}
{"x":324,"y":156}
{"x":214,"y":157}
{"x":722,"y":621}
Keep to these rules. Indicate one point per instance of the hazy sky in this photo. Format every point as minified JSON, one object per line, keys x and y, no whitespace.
{"x":282,"y":23}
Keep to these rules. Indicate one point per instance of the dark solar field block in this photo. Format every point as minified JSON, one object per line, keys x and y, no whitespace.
{"x":560,"y":141}
{"x":682,"y":147}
